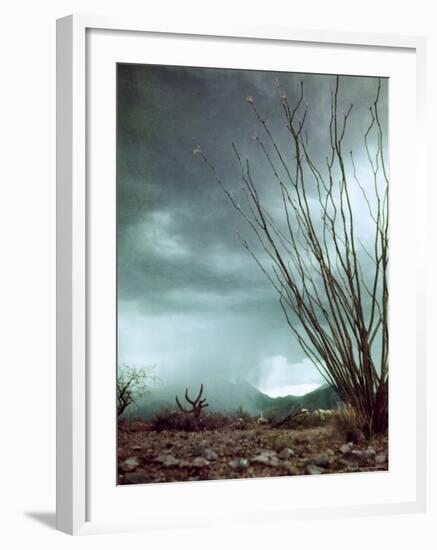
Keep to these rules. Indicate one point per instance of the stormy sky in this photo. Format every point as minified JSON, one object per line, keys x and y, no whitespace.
{"x":191,"y":300}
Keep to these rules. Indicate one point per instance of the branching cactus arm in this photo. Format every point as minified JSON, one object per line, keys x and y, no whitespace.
{"x":197,"y":404}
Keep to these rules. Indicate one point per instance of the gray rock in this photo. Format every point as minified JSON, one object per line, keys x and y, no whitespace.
{"x":167,"y":460}
{"x":380,"y":459}
{"x":130,"y":464}
{"x":200,"y":447}
{"x":137,"y":449}
{"x":209,"y":455}
{"x":270,"y":454}
{"x":370,"y":452}
{"x":267,"y":458}
{"x":346,"y":448}
{"x":239,"y":464}
{"x":184,"y":463}
{"x":170,"y":461}
{"x":312,"y":469}
{"x":200,"y":462}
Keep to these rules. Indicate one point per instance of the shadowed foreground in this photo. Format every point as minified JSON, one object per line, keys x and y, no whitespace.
{"x":146,"y":455}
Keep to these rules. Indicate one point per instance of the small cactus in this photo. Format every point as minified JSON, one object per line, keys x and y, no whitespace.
{"x":196,"y":404}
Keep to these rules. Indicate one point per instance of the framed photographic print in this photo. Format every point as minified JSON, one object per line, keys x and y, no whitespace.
{"x":238,"y":322}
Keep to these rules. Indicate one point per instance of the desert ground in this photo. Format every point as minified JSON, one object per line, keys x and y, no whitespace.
{"x":243,"y":450}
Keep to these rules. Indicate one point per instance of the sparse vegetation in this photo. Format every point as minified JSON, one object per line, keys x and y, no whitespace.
{"x":347,"y":423}
{"x":174,"y":448}
{"x":132,"y":385}
{"x":172,"y":420}
{"x":197,"y":405}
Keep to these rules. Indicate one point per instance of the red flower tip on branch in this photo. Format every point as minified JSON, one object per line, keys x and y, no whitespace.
{"x":197,"y":150}
{"x":284,"y":98}
{"x":249,"y":99}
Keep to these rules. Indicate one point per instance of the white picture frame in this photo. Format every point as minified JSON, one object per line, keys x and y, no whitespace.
{"x":75,"y":393}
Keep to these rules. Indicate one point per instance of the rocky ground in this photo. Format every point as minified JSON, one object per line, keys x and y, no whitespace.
{"x":148,"y":456}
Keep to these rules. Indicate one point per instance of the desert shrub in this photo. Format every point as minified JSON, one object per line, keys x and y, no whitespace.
{"x":131,"y":386}
{"x":168,"y":419}
{"x":348,"y":424}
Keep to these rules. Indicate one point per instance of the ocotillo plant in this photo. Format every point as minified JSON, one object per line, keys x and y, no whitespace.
{"x":196,"y":404}
{"x":332,"y":285}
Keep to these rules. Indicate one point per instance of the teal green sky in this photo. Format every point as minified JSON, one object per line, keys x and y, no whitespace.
{"x":190,"y":298}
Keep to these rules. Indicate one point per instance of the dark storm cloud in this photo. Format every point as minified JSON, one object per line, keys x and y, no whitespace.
{"x":180,"y":264}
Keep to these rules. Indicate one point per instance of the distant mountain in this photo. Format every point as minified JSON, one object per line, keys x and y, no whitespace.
{"x":324,"y":397}
{"x":225,"y":396}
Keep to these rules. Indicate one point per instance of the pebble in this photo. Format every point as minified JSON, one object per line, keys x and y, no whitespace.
{"x":210,"y":455}
{"x":167,"y":460}
{"x":239,"y":464}
{"x":200,"y":462}
{"x":129,"y":464}
{"x":267,"y":459}
{"x":380,"y":459}
{"x":346,"y":448}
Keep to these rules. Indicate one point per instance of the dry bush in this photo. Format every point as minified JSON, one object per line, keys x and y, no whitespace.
{"x":347,"y":423}
{"x":168,"y":419}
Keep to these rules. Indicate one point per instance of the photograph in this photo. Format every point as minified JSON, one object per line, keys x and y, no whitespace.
{"x":252,"y":220}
